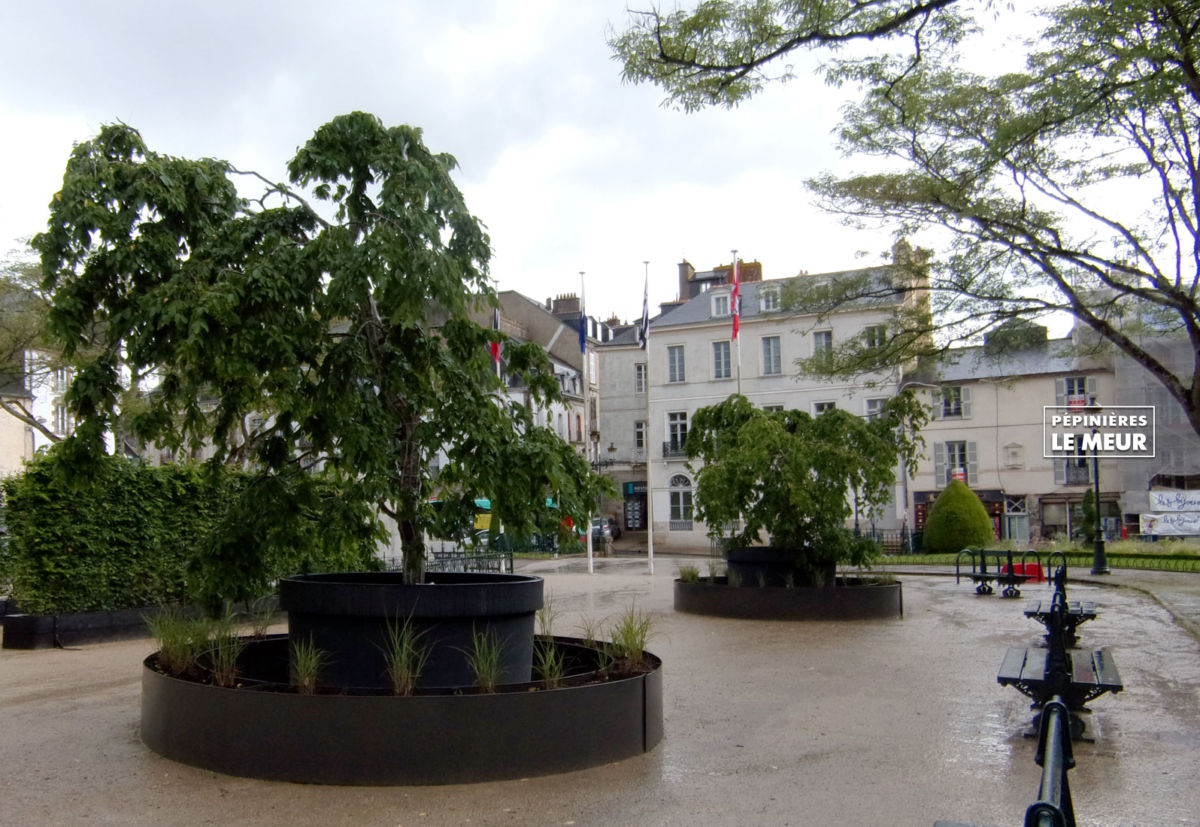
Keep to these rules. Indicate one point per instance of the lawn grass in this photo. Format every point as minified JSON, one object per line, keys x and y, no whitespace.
{"x":1166,"y":555}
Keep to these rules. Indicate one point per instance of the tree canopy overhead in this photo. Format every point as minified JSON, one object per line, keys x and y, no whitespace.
{"x":323,"y":324}
{"x":1072,"y":186}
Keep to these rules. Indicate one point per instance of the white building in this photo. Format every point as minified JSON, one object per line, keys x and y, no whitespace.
{"x":987,"y":428}
{"x":693,"y":361}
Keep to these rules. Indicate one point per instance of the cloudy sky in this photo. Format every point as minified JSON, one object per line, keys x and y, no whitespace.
{"x":569,"y":169}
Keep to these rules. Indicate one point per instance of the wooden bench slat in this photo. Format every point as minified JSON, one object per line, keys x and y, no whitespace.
{"x":1013,"y":664}
{"x":1092,"y":673}
{"x":1105,"y":670}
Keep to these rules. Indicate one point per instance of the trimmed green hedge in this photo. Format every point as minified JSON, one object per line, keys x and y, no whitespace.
{"x":132,"y":535}
{"x":956,"y":520}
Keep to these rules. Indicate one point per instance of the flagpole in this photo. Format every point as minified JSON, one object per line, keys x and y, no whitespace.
{"x":586,"y":425}
{"x":648,"y":430}
{"x":736,"y":307}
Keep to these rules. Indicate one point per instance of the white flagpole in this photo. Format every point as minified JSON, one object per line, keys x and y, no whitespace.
{"x":586,"y":425}
{"x":648,"y":430}
{"x":737,"y":312}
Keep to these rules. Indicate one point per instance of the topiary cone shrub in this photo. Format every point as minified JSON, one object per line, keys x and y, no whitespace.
{"x":956,"y":520}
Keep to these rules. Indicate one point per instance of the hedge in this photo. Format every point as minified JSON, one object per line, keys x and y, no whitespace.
{"x":132,"y":535}
{"x":956,"y":520}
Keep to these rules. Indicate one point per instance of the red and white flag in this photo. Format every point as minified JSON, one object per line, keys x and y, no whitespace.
{"x":735,"y":299}
{"x":495,"y":346}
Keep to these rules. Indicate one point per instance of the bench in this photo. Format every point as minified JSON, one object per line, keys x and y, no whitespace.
{"x":1042,"y":674}
{"x":1089,"y":675}
{"x":1078,"y":612}
{"x":1004,"y":572}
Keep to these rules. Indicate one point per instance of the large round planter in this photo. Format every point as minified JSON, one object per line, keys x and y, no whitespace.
{"x":773,"y":566}
{"x":263,"y":730}
{"x":346,"y":616}
{"x":850,"y":599}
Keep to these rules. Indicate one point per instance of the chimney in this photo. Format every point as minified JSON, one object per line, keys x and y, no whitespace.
{"x":686,"y":271}
{"x":566,"y":304}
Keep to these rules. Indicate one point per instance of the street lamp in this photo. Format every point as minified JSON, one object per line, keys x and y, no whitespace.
{"x":1099,"y":559}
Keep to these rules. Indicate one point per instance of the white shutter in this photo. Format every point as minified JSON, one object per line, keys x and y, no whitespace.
{"x":1060,"y":391}
{"x":972,"y":464}
{"x":1091,"y":388}
{"x":1060,"y":472}
{"x":965,"y":390}
{"x":937,"y":405}
{"x":939,"y":464}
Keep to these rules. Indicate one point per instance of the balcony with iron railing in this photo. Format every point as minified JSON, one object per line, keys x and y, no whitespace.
{"x":673,"y":449}
{"x":1078,"y":474}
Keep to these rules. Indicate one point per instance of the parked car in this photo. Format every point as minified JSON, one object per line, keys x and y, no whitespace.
{"x":600,"y":530}
{"x":614,"y":528}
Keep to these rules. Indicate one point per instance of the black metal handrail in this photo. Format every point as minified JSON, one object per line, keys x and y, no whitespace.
{"x":1054,"y":755}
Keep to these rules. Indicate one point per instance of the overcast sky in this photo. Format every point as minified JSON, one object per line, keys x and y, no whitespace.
{"x":569,"y":169}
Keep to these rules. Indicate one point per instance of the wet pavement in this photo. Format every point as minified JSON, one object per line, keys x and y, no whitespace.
{"x":812,"y":723}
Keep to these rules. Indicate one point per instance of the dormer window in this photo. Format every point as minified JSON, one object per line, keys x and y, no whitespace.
{"x":720,"y":305}
{"x":769,"y":298}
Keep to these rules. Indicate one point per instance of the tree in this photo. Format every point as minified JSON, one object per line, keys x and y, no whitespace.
{"x":1073,"y":186}
{"x":790,"y":474}
{"x":957,"y":520}
{"x":344,"y":331}
{"x":1089,"y":517}
{"x":23,"y":309}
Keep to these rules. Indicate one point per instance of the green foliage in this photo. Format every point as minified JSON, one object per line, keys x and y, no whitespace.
{"x":791,"y":475}
{"x":180,"y":638}
{"x":957,"y":520}
{"x":275,"y":525}
{"x":1088,"y":523}
{"x":226,"y":647}
{"x":485,"y":659}
{"x":549,"y":665}
{"x":23,"y":309}
{"x":587,"y":630}
{"x":718,"y":53}
{"x":305,"y":662}
{"x":129,"y":535}
{"x":405,"y":656}
{"x":351,"y":340}
{"x":547,"y":615}
{"x":627,"y":641}
{"x":689,"y":574}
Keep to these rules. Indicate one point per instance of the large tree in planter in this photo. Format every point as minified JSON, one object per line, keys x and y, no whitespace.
{"x":795,"y":477}
{"x":344,"y":330}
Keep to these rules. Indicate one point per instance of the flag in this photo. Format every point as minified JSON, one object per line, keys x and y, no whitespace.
{"x":735,"y":299}
{"x":582,"y":328}
{"x":495,"y":346}
{"x":643,"y":330}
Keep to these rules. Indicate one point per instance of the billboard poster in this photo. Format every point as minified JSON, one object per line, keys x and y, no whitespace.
{"x":1171,"y":523}
{"x":1175,"y":500}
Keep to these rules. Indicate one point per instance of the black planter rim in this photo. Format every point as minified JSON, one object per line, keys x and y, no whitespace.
{"x":448,"y":738}
{"x":387,"y":595}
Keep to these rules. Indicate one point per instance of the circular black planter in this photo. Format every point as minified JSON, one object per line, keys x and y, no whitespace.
{"x":346,"y":616}
{"x":774,"y":566}
{"x":850,"y":599}
{"x":263,"y":730}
